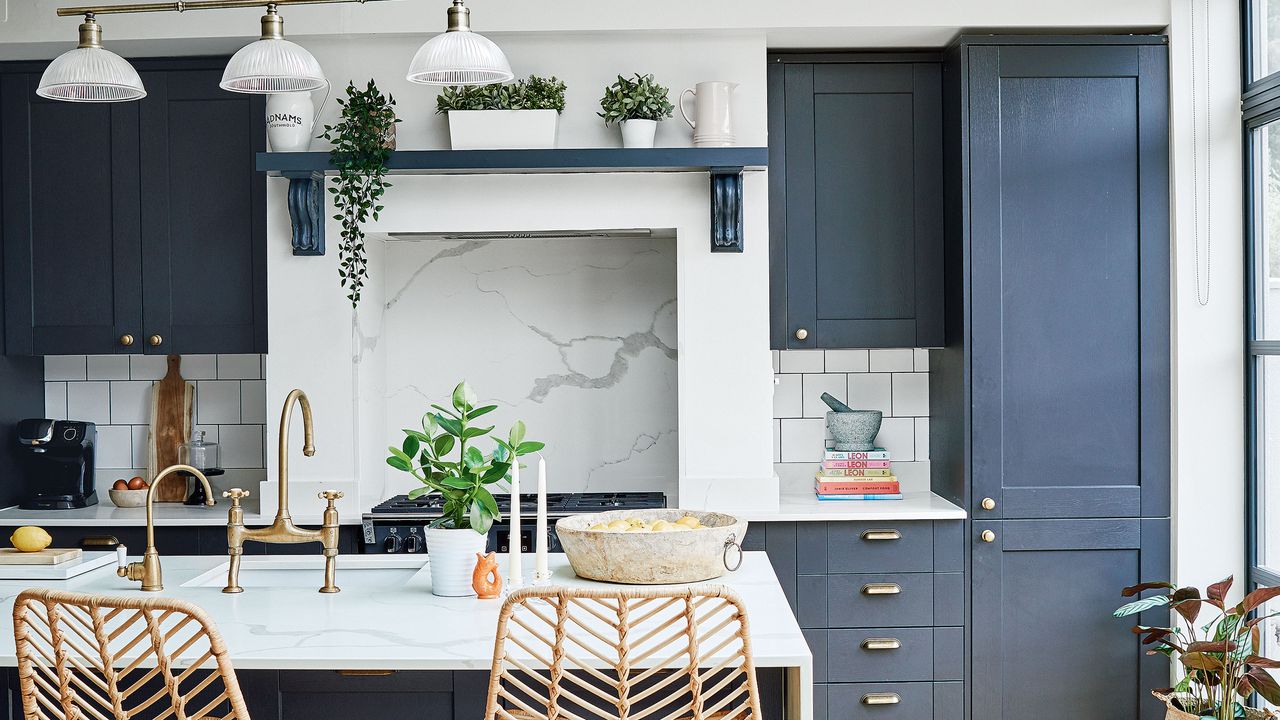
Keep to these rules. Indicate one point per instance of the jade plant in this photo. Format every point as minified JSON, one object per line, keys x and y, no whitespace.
{"x":465,"y":482}
{"x":1220,"y":658}
{"x":638,"y":98}
{"x":361,"y":147}
{"x":534,"y":93}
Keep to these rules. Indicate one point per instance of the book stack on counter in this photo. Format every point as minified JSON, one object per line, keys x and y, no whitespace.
{"x":864,"y":475}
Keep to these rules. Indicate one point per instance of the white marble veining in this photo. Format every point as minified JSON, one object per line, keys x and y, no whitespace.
{"x":574,"y":336}
{"x":386,"y":617}
{"x":802,"y":507}
{"x":106,"y":515}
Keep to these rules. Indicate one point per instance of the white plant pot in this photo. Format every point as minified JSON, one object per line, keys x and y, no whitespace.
{"x":452,"y":555}
{"x":503,"y":129}
{"x":638,"y":133}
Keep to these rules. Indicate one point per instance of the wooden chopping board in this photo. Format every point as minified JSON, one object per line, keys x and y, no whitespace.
{"x":171,"y":421}
{"x":47,"y":556}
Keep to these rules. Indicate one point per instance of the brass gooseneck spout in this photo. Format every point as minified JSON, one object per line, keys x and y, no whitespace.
{"x":283,"y":530}
{"x":148,"y":571}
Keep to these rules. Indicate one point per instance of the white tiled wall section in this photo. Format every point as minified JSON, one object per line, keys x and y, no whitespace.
{"x":895,"y":382}
{"x":114,"y":392}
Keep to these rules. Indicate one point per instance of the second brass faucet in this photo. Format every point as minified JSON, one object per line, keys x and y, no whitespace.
{"x":283,"y":530}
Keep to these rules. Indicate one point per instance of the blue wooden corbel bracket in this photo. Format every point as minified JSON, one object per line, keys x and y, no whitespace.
{"x":726,"y":209}
{"x":306,"y":212}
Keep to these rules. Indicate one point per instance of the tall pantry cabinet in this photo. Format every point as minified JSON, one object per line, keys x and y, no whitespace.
{"x":1050,"y":402}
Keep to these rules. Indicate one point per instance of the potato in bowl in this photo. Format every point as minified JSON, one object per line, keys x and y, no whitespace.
{"x":652,"y":547}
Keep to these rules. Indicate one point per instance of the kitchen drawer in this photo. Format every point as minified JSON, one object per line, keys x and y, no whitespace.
{"x":878,"y":547}
{"x":419,"y":681}
{"x":915,"y":701}
{"x":852,"y":655}
{"x":851,"y":601}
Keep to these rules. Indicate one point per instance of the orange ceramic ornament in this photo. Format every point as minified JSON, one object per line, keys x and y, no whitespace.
{"x":485,"y":579}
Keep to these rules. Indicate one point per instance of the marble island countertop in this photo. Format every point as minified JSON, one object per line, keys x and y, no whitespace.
{"x":106,"y":515}
{"x":385,"y":618}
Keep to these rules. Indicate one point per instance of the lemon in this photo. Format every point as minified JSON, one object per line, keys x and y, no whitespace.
{"x":30,"y":538}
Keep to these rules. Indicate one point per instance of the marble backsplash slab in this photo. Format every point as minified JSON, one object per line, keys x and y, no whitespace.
{"x":576,"y":337}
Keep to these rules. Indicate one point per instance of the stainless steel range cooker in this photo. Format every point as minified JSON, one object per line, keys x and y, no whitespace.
{"x":395,"y":526}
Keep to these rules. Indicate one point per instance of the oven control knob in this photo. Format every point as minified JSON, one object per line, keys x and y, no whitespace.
{"x":391,"y":544}
{"x":413,"y":544}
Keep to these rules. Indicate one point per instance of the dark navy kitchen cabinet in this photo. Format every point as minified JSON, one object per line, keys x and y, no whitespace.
{"x":855,"y":160}
{"x":133,"y":227}
{"x":1049,"y":417}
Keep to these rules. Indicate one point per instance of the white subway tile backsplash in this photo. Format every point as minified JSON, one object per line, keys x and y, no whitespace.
{"x":200,"y":367}
{"x":240,"y":367}
{"x":787,"y":396}
{"x":147,"y":367}
{"x":847,"y":361}
{"x":922,"y":438}
{"x":241,"y":446}
{"x":898,"y":436}
{"x":114,"y":447}
{"x":921,"y":360}
{"x":802,"y":439}
{"x":253,"y":401}
{"x":910,"y":394}
{"x":218,"y":402}
{"x":64,"y":367}
{"x":777,"y":441}
{"x":131,"y":402}
{"x":90,"y":401}
{"x":55,"y":400}
{"x":893,"y":360}
{"x":815,"y":385}
{"x":140,"y":434}
{"x":871,"y":391}
{"x":108,"y":367}
{"x":801,"y":361}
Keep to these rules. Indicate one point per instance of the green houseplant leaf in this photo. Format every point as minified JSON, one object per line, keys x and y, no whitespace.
{"x":635,"y":98}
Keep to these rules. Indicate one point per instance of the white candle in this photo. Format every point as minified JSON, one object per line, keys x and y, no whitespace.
{"x":540,"y":562}
{"x":516,"y":572}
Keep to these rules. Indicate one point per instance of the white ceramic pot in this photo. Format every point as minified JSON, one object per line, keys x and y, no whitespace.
{"x":638,"y":133}
{"x":503,"y":129}
{"x":291,"y":121}
{"x":452,"y":556}
{"x":712,"y":121}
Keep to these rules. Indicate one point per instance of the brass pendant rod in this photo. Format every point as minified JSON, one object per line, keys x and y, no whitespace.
{"x":185,"y":5}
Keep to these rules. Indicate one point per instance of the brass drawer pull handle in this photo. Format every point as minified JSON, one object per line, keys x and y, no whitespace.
{"x":881,"y":589}
{"x":881,"y":535}
{"x":881,"y":644}
{"x":366,"y":673}
{"x":881,"y":699}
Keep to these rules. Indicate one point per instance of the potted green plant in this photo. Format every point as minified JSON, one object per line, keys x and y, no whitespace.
{"x":469,"y":506}
{"x":522,"y":114}
{"x":362,"y":142}
{"x":1220,"y":659}
{"x":637,"y":105}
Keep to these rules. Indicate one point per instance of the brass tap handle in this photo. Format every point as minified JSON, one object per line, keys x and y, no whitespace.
{"x":331,"y":496}
{"x":235,"y":494}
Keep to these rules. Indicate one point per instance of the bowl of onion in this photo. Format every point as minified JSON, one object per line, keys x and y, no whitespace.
{"x":652,"y":547}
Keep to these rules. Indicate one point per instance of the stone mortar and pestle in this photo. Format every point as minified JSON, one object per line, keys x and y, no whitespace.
{"x":852,"y":430}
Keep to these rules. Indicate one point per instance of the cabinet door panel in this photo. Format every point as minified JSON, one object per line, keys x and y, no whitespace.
{"x":1043,"y":592}
{"x":203,"y":245}
{"x":1070,"y":280}
{"x":71,"y":222}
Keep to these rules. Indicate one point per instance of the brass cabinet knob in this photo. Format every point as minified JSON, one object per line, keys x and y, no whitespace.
{"x":988,"y":503}
{"x":988,"y":536}
{"x":126,"y":340}
{"x":881,"y":698}
{"x":802,"y":334}
{"x":155,"y":340}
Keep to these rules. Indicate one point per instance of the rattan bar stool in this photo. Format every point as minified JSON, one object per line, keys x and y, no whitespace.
{"x":659,"y":654}
{"x":94,"y":657}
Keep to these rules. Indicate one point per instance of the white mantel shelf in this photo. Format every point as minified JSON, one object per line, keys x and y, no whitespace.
{"x":379,"y":624}
{"x":801,"y":507}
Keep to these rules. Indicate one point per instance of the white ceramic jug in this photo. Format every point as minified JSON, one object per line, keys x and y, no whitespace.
{"x":291,"y":120}
{"x":712,"y":120}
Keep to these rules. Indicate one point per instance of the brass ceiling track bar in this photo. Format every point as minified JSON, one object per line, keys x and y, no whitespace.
{"x":185,"y":5}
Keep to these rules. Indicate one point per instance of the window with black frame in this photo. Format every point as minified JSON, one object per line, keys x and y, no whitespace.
{"x":1261,"y":103}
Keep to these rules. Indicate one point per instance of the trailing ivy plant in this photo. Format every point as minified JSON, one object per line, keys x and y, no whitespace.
{"x":534,"y":93}
{"x":638,"y":98}
{"x":360,"y":151}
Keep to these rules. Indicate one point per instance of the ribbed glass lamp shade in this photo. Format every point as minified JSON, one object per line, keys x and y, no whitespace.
{"x":459,"y":58}
{"x":90,"y":74}
{"x":272,"y":65}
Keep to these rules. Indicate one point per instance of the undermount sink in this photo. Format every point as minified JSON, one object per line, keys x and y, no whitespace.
{"x":307,"y":571}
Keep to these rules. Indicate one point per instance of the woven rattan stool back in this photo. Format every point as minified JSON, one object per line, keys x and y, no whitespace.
{"x":645,"y":654}
{"x":93,"y":657}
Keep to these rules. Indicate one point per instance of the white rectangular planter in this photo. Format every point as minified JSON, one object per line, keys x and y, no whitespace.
{"x":503,"y":129}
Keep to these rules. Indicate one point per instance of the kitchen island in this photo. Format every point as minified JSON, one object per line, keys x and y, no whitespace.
{"x":386,"y":619}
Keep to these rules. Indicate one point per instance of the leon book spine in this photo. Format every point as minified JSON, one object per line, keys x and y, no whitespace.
{"x":856,"y":488}
{"x":877,"y":454}
{"x":869,"y":473}
{"x":854,"y":464}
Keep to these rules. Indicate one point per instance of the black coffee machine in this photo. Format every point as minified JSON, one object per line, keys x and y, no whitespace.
{"x":57,"y":458}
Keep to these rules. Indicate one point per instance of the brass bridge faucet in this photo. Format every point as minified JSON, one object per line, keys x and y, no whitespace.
{"x":148,"y":571}
{"x":283,"y":530}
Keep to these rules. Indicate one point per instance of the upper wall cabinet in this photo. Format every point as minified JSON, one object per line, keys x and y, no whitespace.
{"x":855,"y":160}
{"x":133,"y":227}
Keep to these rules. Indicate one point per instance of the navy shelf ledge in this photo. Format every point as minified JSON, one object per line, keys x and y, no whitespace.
{"x":724,"y":167}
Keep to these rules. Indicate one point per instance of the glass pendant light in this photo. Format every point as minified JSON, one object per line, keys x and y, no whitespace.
{"x":459,"y":56}
{"x":272,"y":64}
{"x":90,"y":73}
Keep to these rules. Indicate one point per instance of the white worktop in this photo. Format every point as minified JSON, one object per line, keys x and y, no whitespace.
{"x":106,"y":515}
{"x":381,"y":620}
{"x":801,"y":507}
